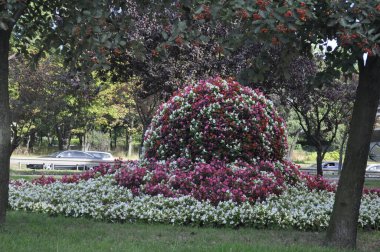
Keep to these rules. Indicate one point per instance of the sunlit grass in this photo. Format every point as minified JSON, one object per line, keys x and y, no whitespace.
{"x":38,"y":232}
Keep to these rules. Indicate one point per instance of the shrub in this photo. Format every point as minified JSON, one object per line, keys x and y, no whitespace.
{"x":216,"y":119}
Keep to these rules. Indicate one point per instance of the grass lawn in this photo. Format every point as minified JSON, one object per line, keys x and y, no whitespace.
{"x":38,"y":232}
{"x":372,"y":183}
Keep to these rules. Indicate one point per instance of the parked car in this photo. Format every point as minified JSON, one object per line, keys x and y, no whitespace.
{"x":373,"y":168}
{"x":328,"y":165}
{"x":69,"y":154}
{"x":106,"y":156}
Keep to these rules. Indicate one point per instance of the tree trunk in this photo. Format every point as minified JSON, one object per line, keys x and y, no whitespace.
{"x":81,"y":137}
{"x":68,"y":142}
{"x":111,"y":147}
{"x":342,"y":230}
{"x":293,"y":144}
{"x":64,"y":137}
{"x":141,"y":147}
{"x":114,"y":137}
{"x":319,"y":162}
{"x":32,"y":142}
{"x":50,"y":142}
{"x":5,"y":131}
{"x":15,"y":138}
{"x":126,"y":139}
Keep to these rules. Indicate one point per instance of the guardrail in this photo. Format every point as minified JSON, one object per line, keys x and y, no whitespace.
{"x":326,"y":171}
{"x":51,"y":163}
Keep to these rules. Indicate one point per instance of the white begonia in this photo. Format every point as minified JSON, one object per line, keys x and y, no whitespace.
{"x":101,"y":198}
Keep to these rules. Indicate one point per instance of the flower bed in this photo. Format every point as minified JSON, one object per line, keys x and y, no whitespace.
{"x":102,"y":198}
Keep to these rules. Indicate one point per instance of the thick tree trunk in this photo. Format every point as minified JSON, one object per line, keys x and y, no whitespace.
{"x":342,"y":230}
{"x":5,"y":131}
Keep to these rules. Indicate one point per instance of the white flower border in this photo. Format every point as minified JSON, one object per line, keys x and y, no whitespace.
{"x":100,"y":198}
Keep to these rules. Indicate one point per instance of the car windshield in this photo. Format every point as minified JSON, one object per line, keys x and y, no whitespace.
{"x":100,"y":155}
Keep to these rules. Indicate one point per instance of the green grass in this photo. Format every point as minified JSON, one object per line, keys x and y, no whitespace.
{"x":42,"y":172}
{"x":373,"y":183}
{"x":38,"y":232}
{"x":30,"y":174}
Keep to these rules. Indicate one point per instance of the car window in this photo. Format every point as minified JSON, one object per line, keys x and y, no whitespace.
{"x":65,"y":154}
{"x":105,"y":155}
{"x":102,"y":155}
{"x":78,"y":154}
{"x":98,"y":155}
{"x":375,"y":168}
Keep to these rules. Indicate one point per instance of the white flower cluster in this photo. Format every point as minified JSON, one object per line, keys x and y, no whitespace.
{"x":100,"y":198}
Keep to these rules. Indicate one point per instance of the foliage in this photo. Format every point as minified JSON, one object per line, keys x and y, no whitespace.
{"x":48,"y":99}
{"x":321,"y":109}
{"x":157,"y":56}
{"x":216,"y":119}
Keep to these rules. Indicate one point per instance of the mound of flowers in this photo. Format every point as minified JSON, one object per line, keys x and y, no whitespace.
{"x":216,"y":119}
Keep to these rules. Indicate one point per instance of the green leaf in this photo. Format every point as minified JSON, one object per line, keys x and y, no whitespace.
{"x":181,"y":26}
{"x":332,"y":22}
{"x":87,"y":13}
{"x":164,"y":35}
{"x":204,"y":39}
{"x":3,"y":26}
{"x":263,"y":14}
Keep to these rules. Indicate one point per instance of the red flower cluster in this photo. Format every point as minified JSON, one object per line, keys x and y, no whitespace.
{"x":318,"y":183}
{"x":44,"y":180}
{"x":373,"y":191}
{"x":101,"y":170}
{"x":215,"y":182}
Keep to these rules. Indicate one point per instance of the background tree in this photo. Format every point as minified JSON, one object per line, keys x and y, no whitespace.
{"x":320,"y":108}
{"x":77,"y":28}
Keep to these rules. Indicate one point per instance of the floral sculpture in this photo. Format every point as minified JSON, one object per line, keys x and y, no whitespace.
{"x":216,"y":119}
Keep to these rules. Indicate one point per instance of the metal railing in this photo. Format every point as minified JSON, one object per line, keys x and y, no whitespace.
{"x":51,"y":163}
{"x":327,"y":171}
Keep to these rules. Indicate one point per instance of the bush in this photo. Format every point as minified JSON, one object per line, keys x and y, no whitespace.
{"x":216,"y":119}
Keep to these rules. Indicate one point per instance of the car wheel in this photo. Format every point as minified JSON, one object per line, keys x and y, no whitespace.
{"x":48,"y":166}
